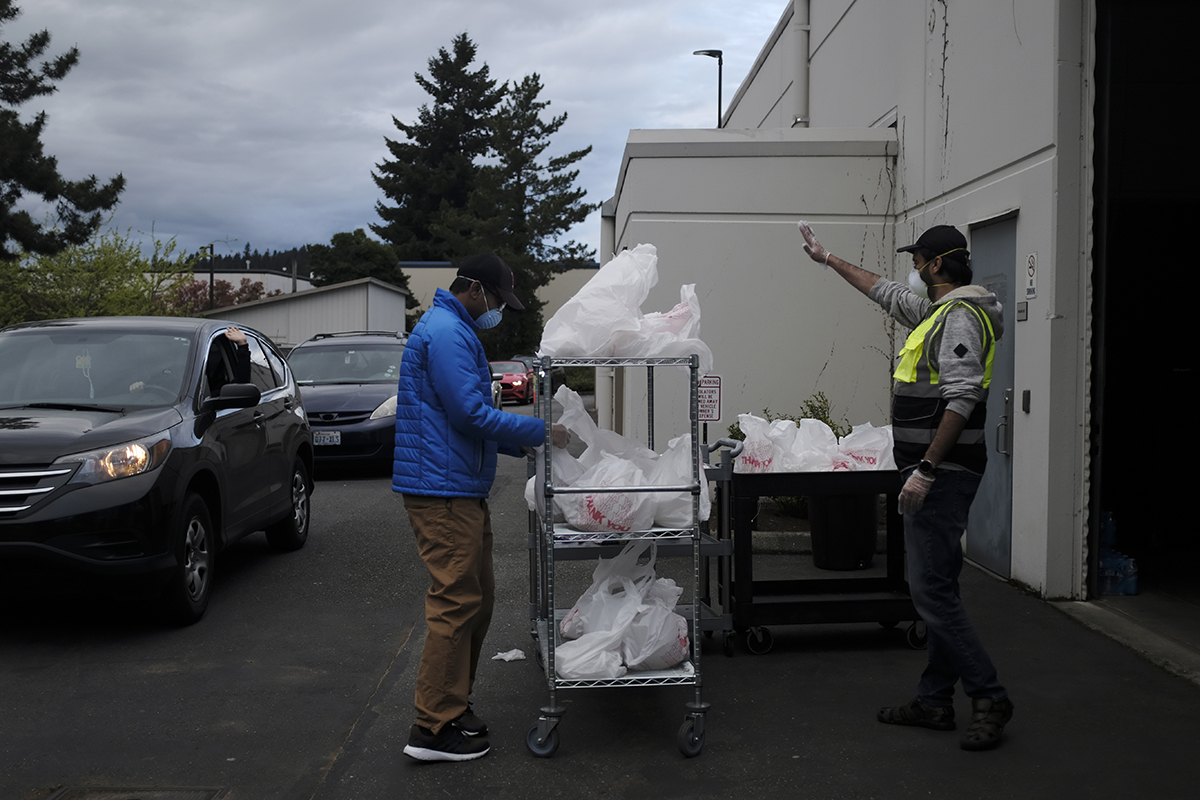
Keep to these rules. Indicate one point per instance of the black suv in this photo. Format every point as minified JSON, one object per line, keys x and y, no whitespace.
{"x":142,"y":446}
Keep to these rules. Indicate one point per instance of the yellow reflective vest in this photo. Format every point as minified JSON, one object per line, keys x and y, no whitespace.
{"x":917,"y":403}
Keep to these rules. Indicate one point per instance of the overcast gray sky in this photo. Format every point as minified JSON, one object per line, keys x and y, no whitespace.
{"x":260,"y":121}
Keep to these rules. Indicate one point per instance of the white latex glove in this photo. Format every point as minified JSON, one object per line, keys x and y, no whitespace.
{"x":811,"y":246}
{"x":912,"y":496}
{"x":559,"y":435}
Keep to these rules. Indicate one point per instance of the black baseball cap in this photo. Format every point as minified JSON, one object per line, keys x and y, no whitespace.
{"x":490,"y":270}
{"x":941,"y":240}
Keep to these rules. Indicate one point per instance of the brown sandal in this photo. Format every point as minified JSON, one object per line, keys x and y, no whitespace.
{"x":988,"y":718}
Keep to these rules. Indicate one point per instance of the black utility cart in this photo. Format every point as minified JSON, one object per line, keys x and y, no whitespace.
{"x":754,"y":604}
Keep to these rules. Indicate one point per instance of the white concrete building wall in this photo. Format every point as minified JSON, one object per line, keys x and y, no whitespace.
{"x":989,"y":114}
{"x":992,"y":118}
{"x":721,"y":208}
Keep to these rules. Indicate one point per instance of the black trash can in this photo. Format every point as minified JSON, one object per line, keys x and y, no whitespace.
{"x":844,"y":528}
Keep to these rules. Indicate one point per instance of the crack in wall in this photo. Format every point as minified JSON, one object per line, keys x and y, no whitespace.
{"x":943,"y":97}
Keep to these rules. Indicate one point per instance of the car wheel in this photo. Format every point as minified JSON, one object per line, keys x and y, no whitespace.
{"x":291,"y":532}
{"x":186,"y":595}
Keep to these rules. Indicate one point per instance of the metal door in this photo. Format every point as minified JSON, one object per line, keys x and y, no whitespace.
{"x":989,"y":529}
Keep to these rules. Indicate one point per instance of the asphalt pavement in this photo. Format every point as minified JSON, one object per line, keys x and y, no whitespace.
{"x":298,"y":685}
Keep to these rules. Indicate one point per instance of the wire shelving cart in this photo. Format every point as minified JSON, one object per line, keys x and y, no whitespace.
{"x":550,"y":542}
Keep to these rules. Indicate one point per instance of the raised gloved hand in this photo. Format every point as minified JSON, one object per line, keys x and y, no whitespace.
{"x":912,"y":496}
{"x":811,"y":246}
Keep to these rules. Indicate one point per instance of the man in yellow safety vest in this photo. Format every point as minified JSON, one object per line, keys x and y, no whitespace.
{"x":938,"y":409}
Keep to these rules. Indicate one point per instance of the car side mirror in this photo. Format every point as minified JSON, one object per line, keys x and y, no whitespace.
{"x":496,"y":376}
{"x":234,"y":395}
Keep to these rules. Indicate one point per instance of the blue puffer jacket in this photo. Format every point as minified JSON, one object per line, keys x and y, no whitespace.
{"x":447,"y":432}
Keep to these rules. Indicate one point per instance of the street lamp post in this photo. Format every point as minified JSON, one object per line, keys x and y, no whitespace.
{"x":211,"y":276}
{"x":717,"y":54}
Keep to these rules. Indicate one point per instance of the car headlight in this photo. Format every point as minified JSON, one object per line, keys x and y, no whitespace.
{"x":120,"y":461}
{"x":386,"y":409}
{"x":517,"y":382}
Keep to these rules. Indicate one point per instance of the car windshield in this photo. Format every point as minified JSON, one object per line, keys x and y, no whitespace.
{"x":85,"y":367}
{"x":509,"y":366}
{"x":346,"y":363}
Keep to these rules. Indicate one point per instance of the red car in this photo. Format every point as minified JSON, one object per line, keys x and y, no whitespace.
{"x":518,"y":381}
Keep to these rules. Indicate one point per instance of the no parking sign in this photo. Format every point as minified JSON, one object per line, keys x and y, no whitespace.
{"x":709,"y":391}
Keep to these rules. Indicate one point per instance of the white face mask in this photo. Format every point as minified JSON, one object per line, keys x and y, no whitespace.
{"x":917,"y":285}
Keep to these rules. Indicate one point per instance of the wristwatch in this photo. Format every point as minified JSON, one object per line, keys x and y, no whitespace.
{"x":926,"y":468}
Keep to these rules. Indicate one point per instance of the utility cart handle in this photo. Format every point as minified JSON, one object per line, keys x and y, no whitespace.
{"x":723,"y":471}
{"x":734,"y":445}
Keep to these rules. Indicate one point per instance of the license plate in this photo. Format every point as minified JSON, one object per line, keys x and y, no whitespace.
{"x":327,"y":437}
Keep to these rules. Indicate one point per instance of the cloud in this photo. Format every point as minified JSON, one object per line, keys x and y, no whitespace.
{"x":261,"y":122}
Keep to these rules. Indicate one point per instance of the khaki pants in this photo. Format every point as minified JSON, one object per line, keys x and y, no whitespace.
{"x":454,"y":538}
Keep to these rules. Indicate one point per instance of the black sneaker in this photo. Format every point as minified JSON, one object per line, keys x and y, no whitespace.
{"x":470,"y":724}
{"x":448,"y":745}
{"x":938,"y":718}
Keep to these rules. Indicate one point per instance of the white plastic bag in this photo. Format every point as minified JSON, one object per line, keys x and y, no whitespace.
{"x":758,"y":450}
{"x":625,"y":620}
{"x":815,"y":446}
{"x":656,"y":639}
{"x":667,"y":334}
{"x":611,"y":459}
{"x":597,"y":655}
{"x":869,"y":447}
{"x":608,"y":303}
{"x":674,"y":468}
{"x":605,"y":319}
{"x":610,"y":511}
{"x":566,"y":470}
{"x":588,"y":613}
{"x":576,"y":419}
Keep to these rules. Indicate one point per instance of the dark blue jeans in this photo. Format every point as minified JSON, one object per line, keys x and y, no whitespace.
{"x":932,"y":540}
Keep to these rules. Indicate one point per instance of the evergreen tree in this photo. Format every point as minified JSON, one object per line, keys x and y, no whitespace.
{"x":438,"y":166}
{"x":350,"y":256}
{"x":521,"y":206}
{"x":26,"y":170}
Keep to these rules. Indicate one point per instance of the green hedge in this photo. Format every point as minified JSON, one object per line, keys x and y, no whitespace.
{"x":581,"y":380}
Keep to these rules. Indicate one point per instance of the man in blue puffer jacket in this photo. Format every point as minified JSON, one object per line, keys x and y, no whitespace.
{"x":447,"y":437}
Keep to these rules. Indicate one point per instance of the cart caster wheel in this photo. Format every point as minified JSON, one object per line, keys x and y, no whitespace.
{"x":689,"y":743}
{"x":542,"y":749}
{"x":759,"y":641}
{"x":727,"y":645}
{"x":918,"y":636}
